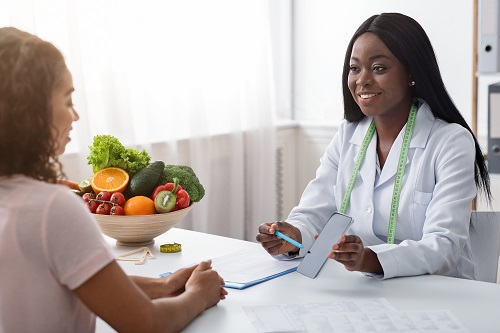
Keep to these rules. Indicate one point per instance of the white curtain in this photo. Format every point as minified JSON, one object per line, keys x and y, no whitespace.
{"x":190,"y":81}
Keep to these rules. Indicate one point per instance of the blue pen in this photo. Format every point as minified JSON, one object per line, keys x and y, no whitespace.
{"x":288,"y":239}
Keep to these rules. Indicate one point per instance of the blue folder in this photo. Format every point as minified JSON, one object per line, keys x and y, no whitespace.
{"x":238,"y":285}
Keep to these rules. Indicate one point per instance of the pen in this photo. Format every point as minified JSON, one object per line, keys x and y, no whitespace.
{"x":288,"y":239}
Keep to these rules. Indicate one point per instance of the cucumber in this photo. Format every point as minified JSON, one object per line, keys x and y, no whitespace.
{"x":144,"y":181}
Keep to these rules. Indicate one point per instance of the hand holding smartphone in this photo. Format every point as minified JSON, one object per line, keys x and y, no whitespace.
{"x":337,"y":225}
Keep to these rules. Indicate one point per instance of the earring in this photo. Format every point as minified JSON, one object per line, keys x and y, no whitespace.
{"x":412,"y":83}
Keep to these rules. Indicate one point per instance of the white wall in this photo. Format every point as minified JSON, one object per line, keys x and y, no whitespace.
{"x":323,"y":29}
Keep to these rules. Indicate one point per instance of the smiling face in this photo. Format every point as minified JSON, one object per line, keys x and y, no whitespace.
{"x":377,"y":80}
{"x":63,"y":112}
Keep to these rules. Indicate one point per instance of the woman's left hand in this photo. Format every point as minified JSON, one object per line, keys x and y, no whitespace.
{"x":350,"y":252}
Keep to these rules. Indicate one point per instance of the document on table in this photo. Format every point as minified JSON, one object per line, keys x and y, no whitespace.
{"x":361,"y":315}
{"x":431,"y":321}
{"x":244,"y":268}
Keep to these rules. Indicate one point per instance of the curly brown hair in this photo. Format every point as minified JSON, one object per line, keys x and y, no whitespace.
{"x":29,"y":70}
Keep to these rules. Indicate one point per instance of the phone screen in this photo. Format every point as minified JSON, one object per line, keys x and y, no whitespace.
{"x":337,"y":225}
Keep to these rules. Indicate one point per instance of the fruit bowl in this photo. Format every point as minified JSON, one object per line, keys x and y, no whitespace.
{"x":139,"y":230}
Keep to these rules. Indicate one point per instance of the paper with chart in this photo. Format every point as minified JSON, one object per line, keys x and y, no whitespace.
{"x":289,"y":317}
{"x":363,"y":315}
{"x":432,"y":321}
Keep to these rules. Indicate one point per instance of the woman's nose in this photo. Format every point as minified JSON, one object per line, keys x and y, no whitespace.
{"x":364,"y":78}
{"x":75,"y":115}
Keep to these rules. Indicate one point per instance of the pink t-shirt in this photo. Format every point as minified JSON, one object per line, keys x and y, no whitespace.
{"x":49,"y":245}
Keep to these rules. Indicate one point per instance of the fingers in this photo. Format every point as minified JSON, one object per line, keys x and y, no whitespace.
{"x":349,"y":239}
{"x":266,"y":237}
{"x":266,"y":228}
{"x":270,"y":228}
{"x":273,"y":244}
{"x":348,"y":249}
{"x":204,"y":265}
{"x":223,"y":293}
{"x":186,"y":270}
{"x":344,"y":257}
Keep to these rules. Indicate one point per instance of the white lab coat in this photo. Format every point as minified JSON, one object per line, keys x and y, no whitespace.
{"x":432,"y":228}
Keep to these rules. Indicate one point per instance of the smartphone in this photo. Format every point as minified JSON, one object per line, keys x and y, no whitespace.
{"x":313,"y":261}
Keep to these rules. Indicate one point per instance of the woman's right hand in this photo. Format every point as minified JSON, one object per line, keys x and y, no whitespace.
{"x":272,"y":243}
{"x":207,"y":283}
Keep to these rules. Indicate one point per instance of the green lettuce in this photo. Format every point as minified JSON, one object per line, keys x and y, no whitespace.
{"x":107,"y":151}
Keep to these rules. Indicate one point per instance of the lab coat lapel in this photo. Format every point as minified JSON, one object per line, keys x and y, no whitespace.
{"x":421,"y":130}
{"x":368,"y":167}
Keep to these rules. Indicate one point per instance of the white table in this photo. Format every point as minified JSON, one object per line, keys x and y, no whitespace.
{"x":476,"y":304}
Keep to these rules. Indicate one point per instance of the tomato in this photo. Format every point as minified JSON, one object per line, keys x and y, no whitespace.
{"x":117,"y":198}
{"x":103,"y":208}
{"x":92,"y":205}
{"x":87,"y":196}
{"x":104,"y":196}
{"x":117,"y":210}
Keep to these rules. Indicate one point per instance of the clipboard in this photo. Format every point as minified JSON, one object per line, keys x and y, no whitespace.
{"x":313,"y":261}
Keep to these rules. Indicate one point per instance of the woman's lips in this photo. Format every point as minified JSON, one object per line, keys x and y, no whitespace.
{"x":367,"y":98}
{"x":367,"y":95}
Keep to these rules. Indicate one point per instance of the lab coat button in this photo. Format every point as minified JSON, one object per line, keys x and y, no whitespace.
{"x":369,"y":210}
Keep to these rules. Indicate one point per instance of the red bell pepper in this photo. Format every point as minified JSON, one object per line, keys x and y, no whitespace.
{"x":183,"y":199}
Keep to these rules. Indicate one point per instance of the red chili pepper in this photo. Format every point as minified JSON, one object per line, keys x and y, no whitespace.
{"x":183,"y":199}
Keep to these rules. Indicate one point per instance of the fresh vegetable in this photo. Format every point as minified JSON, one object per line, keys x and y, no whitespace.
{"x":187,"y":178}
{"x":145,"y":180}
{"x":69,"y":183}
{"x":117,"y":210}
{"x":182,"y":200}
{"x":107,"y":151}
{"x":117,"y":198}
{"x":88,"y":196}
{"x":103,"y":196}
{"x":92,"y":205}
{"x":103,"y":208}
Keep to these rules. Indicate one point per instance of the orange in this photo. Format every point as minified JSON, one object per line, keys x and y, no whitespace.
{"x":110,"y":179}
{"x":139,"y":205}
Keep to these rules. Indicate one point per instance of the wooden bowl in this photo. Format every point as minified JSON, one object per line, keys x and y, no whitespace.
{"x":139,"y":230}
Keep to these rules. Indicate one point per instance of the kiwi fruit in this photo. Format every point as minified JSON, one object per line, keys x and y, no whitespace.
{"x":165,"y":201}
{"x":85,"y":186}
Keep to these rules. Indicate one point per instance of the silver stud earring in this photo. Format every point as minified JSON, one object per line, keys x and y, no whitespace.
{"x":412,"y":83}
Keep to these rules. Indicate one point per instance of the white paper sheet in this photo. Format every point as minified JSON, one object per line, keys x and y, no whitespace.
{"x":290,"y":317}
{"x":244,"y":266}
{"x":433,"y":321}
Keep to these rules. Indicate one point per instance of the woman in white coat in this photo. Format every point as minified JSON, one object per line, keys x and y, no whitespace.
{"x":400,"y":125}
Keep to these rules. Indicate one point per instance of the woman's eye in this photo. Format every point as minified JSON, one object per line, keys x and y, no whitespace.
{"x":353,"y":69}
{"x":378,"y":68}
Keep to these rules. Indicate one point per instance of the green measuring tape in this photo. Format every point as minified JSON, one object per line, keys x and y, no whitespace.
{"x":398,"y":183}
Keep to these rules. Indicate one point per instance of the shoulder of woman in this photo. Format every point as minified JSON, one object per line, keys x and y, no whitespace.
{"x":443,"y":127}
